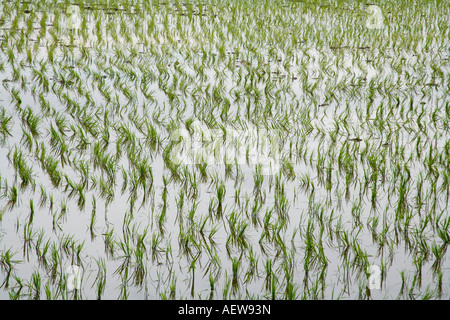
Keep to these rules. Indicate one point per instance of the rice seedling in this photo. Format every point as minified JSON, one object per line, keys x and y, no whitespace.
{"x":5,"y":126}
{"x":35,"y":286}
{"x":12,"y":197}
{"x":7,"y":265}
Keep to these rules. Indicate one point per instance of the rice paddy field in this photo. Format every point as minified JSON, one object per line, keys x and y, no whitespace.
{"x":227,"y":149}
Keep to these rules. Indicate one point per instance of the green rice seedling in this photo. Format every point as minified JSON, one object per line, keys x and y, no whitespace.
{"x":31,"y":215}
{"x":48,"y":292}
{"x":23,"y":169}
{"x":93,"y":217}
{"x":108,"y":239}
{"x":43,"y":253}
{"x":162,"y":217}
{"x":281,"y":202}
{"x":438,"y":253}
{"x":55,"y":261}
{"x":6,"y":123}
{"x":35,"y":285}
{"x":100,"y":278}
{"x":273,"y":287}
{"x":269,"y":274}
{"x":211,"y":286}
{"x":192,"y":212}
{"x":202,"y":224}
{"x":220,"y":197}
{"x":291,"y":291}
{"x":155,"y":246}
{"x":12,"y":197}
{"x":173,"y":287}
{"x":106,"y":191}
{"x":443,"y":231}
{"x":123,"y":268}
{"x":236,"y":263}
{"x":32,"y":122}
{"x":16,"y":292}
{"x":76,"y":250}
{"x":66,"y":244}
{"x":439,"y":285}
{"x":226,"y":288}
{"x":213,"y":231}
{"x":27,"y":140}
{"x":192,"y":280}
{"x":7,"y":265}
{"x":140,"y":267}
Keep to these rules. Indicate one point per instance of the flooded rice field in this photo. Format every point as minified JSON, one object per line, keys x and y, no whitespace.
{"x":224,"y":149}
